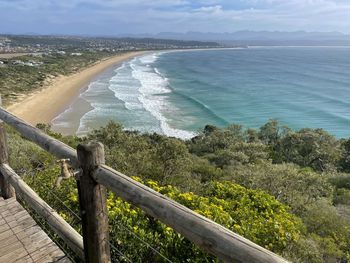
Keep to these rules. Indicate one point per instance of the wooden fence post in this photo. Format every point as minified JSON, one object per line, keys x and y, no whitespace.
{"x":93,"y":205}
{"x":7,"y":190}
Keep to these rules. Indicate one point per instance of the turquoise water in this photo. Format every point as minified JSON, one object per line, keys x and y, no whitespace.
{"x":178,"y":93}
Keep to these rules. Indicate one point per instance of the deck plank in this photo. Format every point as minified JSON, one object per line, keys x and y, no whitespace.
{"x":22,"y":240}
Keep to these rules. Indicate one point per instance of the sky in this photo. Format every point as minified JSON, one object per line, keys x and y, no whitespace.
{"x":115,"y":17}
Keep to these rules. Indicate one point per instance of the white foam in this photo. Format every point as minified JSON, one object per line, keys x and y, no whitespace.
{"x":120,"y":68}
{"x":142,"y":88}
{"x":157,"y":71}
{"x":153,"y":90}
{"x":149,"y":59}
{"x":61,"y":121}
{"x":95,"y":89}
{"x":125,"y":88}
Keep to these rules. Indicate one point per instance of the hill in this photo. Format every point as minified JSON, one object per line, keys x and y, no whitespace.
{"x":285,"y":190}
{"x":263,"y":38}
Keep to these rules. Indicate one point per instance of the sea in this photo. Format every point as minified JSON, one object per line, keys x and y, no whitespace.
{"x":177,"y":93}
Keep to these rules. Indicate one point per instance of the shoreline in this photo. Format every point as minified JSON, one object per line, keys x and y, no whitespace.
{"x":46,"y":103}
{"x":42,"y":106}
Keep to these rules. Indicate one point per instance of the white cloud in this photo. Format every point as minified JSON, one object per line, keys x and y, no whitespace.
{"x":210,"y":9}
{"x":115,"y":16}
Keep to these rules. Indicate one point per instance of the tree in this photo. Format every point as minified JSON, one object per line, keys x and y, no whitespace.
{"x":330,"y":230}
{"x":288,"y":183}
{"x":309,"y":148}
{"x":272,"y":131}
{"x":345,"y":159}
{"x":173,"y":159}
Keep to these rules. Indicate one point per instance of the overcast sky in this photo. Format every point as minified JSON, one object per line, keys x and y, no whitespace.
{"x":112,"y":17}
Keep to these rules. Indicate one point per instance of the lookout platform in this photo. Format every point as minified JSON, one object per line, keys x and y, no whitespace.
{"x":22,"y":240}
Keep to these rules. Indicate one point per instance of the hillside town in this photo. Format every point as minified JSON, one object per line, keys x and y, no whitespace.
{"x":14,"y":46}
{"x":49,"y":44}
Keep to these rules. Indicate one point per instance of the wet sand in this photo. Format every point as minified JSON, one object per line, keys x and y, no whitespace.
{"x":44,"y":105}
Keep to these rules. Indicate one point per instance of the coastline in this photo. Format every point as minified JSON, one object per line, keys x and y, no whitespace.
{"x":43,"y":105}
{"x":71,"y":120}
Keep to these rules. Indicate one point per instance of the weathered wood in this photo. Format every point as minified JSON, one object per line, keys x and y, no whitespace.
{"x":57,"y":223}
{"x":93,"y":205}
{"x":207,"y":234}
{"x":3,"y":144}
{"x":51,"y":145}
{"x":25,"y":240}
{"x":7,"y":191}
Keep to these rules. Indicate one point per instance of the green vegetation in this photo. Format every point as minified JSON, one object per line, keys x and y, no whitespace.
{"x":18,"y":79}
{"x":286,"y":190}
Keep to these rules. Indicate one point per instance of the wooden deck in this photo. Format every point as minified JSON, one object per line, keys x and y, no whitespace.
{"x":22,"y":240}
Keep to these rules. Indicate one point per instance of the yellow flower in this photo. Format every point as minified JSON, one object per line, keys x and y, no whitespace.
{"x":74,"y":198}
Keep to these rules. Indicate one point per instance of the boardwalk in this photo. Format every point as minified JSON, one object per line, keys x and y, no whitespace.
{"x":22,"y":240}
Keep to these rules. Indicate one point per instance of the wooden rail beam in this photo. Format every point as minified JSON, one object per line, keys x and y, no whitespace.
{"x":208,"y":235}
{"x":58,"y":224}
{"x":49,"y":144}
{"x":7,"y":190}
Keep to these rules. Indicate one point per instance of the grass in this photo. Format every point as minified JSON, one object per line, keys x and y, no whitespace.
{"x":16,"y":80}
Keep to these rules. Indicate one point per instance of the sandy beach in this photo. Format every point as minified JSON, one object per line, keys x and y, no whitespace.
{"x":45,"y":104}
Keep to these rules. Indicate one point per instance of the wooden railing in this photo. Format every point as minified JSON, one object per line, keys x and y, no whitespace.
{"x":95,"y":176}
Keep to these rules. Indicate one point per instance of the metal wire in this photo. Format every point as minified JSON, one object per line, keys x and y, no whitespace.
{"x":54,"y":195}
{"x":119,"y":252}
{"x":145,"y":242}
{"x":62,"y":247}
{"x":42,"y":223}
{"x":78,"y":218}
{"x":75,"y":215}
{"x":61,"y":202}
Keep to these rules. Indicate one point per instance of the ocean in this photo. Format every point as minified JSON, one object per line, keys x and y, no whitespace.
{"x":177,"y":93}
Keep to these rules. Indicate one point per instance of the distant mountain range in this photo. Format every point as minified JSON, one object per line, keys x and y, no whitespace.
{"x":260,"y":37}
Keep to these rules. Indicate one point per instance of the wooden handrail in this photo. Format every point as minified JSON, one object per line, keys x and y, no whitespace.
{"x":7,"y":190}
{"x":46,"y":142}
{"x":207,"y":234}
{"x":58,"y":224}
